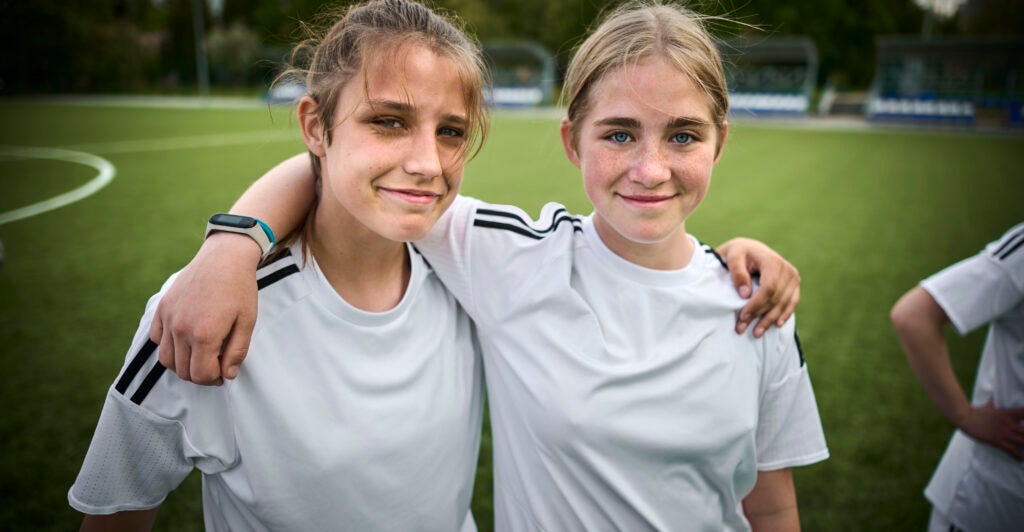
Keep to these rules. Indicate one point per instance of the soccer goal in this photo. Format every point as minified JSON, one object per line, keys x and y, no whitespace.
{"x":953,"y":81}
{"x":523,"y":73}
{"x":770,"y":75}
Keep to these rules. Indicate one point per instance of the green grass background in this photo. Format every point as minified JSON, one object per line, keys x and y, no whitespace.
{"x":864,"y":214}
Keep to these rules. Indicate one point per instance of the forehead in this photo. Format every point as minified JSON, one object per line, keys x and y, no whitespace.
{"x":415,"y":75}
{"x":654,"y":88}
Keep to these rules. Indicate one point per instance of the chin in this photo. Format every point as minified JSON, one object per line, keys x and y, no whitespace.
{"x":649,"y":234}
{"x":408,"y":232}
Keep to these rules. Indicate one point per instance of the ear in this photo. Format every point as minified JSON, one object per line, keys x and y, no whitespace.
{"x":312,"y":129}
{"x":569,"y":143}
{"x":721,"y":140}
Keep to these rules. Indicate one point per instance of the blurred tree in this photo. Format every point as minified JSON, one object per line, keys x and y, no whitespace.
{"x":232,"y":52}
{"x":122,"y":44}
{"x":992,"y":17}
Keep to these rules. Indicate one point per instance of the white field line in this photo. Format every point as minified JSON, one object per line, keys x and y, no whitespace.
{"x":184,"y":143}
{"x":76,"y":154}
{"x":105,"y":176}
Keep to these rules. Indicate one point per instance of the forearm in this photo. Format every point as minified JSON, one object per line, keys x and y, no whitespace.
{"x":920,"y":323}
{"x":141,"y":520}
{"x":282,"y":197}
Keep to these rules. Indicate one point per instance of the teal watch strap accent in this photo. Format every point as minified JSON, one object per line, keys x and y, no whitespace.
{"x":268,"y":231}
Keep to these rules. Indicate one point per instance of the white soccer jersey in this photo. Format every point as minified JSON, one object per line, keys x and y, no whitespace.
{"x":621,"y":398}
{"x":979,"y":487}
{"x":339,"y":420}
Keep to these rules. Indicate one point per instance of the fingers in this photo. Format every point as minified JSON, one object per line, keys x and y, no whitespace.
{"x":758,"y":306}
{"x":790,"y":308}
{"x":767,"y":320}
{"x":161,"y":337}
{"x":1016,"y":414}
{"x":237,"y":346}
{"x":740,"y":275}
{"x":182,"y":351}
{"x":1013,"y":451}
{"x":166,"y":351}
{"x":204,"y":366}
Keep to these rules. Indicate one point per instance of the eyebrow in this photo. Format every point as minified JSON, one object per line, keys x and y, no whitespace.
{"x":678,"y":122}
{"x":406,"y":108}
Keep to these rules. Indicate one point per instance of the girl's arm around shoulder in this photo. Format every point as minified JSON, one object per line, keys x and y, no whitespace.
{"x":205,"y":320}
{"x":771,"y":506}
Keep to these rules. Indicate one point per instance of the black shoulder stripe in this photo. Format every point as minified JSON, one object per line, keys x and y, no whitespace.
{"x":799,"y":350}
{"x":1013,"y":237}
{"x":557,"y":217}
{"x":527,"y":231}
{"x":1008,"y":252}
{"x":507,"y":227}
{"x":147,"y":384}
{"x":136,"y":364}
{"x":276,"y":276}
{"x":711,"y":250}
{"x":524,"y":223}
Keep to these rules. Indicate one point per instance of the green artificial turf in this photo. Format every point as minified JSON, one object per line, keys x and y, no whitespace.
{"x":864,"y":214}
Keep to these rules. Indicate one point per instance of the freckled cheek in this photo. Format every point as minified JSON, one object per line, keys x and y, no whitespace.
{"x":603,"y":169}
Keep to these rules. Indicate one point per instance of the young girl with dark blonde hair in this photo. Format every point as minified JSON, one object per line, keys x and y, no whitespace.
{"x":362,"y":405}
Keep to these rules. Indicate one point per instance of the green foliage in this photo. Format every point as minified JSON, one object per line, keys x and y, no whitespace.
{"x":54,"y":46}
{"x":864,"y":214}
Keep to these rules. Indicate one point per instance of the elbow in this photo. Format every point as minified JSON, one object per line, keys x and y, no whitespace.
{"x":917,"y":315}
{"x":901,"y":316}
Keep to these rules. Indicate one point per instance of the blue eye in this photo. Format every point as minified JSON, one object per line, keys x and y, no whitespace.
{"x":682,"y":138}
{"x":449,"y":132}
{"x":619,"y":137}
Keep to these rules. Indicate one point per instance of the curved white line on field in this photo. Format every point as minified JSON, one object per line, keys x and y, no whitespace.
{"x":106,"y":175}
{"x":198,"y":141}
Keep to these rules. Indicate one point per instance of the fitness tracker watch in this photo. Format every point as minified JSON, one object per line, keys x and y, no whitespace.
{"x":255,"y":228}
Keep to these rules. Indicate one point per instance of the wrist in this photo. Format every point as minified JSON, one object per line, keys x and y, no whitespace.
{"x":961,"y":415}
{"x":240,"y":247}
{"x":254,"y":228}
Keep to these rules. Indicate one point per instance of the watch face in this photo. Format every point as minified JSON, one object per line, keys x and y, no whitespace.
{"x":230,"y":220}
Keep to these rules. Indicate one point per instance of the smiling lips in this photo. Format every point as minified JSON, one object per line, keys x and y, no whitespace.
{"x":414,"y":196}
{"x":646,"y":200}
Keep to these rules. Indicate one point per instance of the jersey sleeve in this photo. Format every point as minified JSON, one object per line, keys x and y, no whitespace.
{"x":789,"y":431}
{"x":153,"y":430}
{"x":979,"y":289}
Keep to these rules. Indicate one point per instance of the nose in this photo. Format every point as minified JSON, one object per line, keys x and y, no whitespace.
{"x":650,"y":167}
{"x":424,"y":158}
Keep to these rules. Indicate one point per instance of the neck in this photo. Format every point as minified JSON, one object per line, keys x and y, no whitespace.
{"x":367,"y":270}
{"x":670,"y":253}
